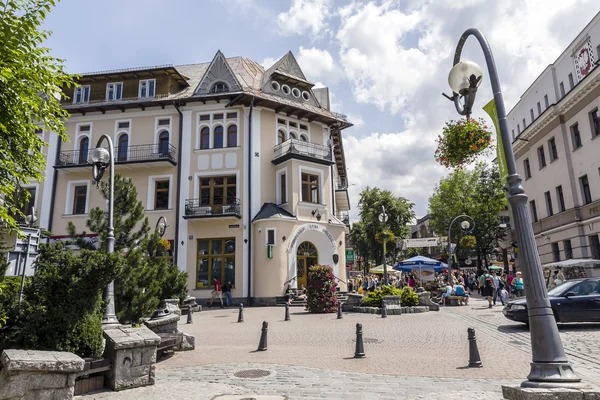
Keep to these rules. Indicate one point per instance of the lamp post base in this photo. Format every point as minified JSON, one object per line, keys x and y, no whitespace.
{"x":552,"y":375}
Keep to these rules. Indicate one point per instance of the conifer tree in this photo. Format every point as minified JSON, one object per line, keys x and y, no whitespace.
{"x":148,"y":276}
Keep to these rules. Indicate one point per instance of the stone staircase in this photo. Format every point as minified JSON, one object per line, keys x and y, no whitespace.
{"x":342,"y":296}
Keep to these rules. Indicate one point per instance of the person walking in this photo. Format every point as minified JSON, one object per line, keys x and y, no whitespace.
{"x":496,"y":287}
{"x":227,"y":291}
{"x":486,"y":282}
{"x":518,"y":285}
{"x":216,"y":293}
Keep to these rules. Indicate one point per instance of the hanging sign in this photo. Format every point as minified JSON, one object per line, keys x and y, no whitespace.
{"x":269,"y":251}
{"x":490,"y":108}
{"x":349,"y":256}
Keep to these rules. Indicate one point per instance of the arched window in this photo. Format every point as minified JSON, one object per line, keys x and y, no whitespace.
{"x":84,"y":146}
{"x":122,"y":147}
{"x":204,"y":138}
{"x":218,"y":137}
{"x":293,"y":135}
{"x":219,"y":87}
{"x":232,"y":136}
{"x":280,"y":136}
{"x":163,"y":143}
{"x":303,"y":138}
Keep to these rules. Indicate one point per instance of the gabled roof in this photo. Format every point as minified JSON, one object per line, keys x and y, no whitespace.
{"x":218,"y":71}
{"x":272,"y":211}
{"x":286,"y":66}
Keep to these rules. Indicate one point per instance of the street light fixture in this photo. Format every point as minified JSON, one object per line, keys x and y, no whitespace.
{"x":383,"y":217}
{"x":550,"y":367}
{"x":467,"y":227}
{"x":101,"y":160}
{"x":161,"y":226}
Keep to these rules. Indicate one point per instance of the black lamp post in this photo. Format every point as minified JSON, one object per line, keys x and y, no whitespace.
{"x":383,"y":217}
{"x":161,"y":226}
{"x":550,"y":367}
{"x":467,"y":227}
{"x":101,"y":160}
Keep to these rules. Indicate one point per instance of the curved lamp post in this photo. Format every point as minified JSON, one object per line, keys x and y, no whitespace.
{"x":101,"y":160}
{"x":161,"y":226}
{"x":550,"y":367}
{"x":467,"y":227}
{"x":383,"y":217}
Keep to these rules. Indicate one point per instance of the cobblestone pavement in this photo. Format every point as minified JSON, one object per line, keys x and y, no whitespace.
{"x":410,"y":356}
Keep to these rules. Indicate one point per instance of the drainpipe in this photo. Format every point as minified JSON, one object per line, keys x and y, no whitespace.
{"x":249,"y":200}
{"x":331,"y":167}
{"x":54,"y":185}
{"x":178,"y":195}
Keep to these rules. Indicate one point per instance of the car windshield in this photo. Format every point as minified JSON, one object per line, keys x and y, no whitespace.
{"x":562,"y":288}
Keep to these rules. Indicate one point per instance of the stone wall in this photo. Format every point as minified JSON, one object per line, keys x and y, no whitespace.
{"x":32,"y":375}
{"x":132,"y":352}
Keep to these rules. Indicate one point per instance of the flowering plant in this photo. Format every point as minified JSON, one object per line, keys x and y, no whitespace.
{"x":461,"y":142}
{"x":468,"y":241}
{"x":321,"y":293}
{"x":164,"y":245}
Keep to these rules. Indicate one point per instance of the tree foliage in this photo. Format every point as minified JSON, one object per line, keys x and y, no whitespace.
{"x":30,"y":88}
{"x":368,"y":233}
{"x":478,"y":193}
{"x":148,"y":275}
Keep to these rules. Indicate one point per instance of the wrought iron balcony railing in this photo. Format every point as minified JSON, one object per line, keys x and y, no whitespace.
{"x":129,"y":154}
{"x":295,"y":147}
{"x":341,"y":184}
{"x":219,"y":208}
{"x":344,"y":217}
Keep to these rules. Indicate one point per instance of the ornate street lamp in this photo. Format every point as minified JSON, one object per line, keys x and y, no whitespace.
{"x":161,"y":226}
{"x":383,"y":217}
{"x":550,"y":367}
{"x":101,"y":160}
{"x":467,"y":227}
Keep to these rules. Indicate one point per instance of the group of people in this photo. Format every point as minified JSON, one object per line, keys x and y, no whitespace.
{"x":218,"y":292}
{"x":370,"y":283}
{"x":292,"y":294}
{"x":495,"y":286}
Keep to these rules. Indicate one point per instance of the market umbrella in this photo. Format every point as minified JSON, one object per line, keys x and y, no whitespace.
{"x":420,"y":262}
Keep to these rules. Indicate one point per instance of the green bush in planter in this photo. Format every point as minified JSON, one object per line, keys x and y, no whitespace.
{"x":373,"y":299}
{"x":409,"y":297}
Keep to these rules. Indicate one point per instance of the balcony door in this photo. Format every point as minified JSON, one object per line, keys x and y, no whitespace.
{"x":218,"y":194}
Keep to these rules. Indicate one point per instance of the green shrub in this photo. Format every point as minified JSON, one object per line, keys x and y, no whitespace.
{"x":321,"y":293}
{"x":409,"y":297}
{"x":373,"y":299}
{"x":62,"y":306}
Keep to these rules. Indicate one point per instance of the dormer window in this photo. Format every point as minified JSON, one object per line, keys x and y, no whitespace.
{"x":81,"y":94}
{"x":114,"y":91}
{"x":147,"y":87}
{"x":219,"y":87}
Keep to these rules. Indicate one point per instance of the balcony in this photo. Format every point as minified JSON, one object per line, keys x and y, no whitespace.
{"x":195,"y":208}
{"x":141,"y":154}
{"x":341,"y":184}
{"x":301,"y":150}
{"x":344,"y":217}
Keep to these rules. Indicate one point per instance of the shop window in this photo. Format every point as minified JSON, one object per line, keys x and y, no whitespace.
{"x":216,"y":260}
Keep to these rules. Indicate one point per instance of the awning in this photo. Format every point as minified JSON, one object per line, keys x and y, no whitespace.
{"x":576,"y":262}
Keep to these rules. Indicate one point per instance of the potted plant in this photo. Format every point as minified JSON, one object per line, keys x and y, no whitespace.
{"x":462,"y":141}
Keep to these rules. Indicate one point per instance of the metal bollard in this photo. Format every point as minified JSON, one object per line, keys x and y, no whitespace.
{"x":474,"y":358}
{"x":287,"y":312}
{"x":340,"y":315}
{"x":359,"y":352}
{"x":383,"y":309}
{"x":189,"y":316}
{"x":262,"y":345}
{"x":241,"y":313}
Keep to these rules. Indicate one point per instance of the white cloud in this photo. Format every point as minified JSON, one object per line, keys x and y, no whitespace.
{"x":268,"y":62}
{"x":317,"y":63}
{"x":355,"y":119}
{"x":305,"y":16}
{"x":397,"y":58}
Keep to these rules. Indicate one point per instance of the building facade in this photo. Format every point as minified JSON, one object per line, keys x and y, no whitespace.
{"x":246,"y":164}
{"x":555,"y":129}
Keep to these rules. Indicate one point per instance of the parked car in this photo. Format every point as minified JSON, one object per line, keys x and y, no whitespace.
{"x":577,"y":300}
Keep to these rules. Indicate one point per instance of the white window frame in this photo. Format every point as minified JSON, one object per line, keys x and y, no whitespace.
{"x":211,"y":123}
{"x":226,"y":138}
{"x":313,"y":171}
{"x":114,"y":87}
{"x":147,"y":82}
{"x":79,"y":135}
{"x":278,"y":174}
{"x":160,"y":128}
{"x":151,"y":192}
{"x":35,"y":186}
{"x":199,"y":175}
{"x":296,"y":130}
{"x":267,"y":236}
{"x":82,"y":90}
{"x":69,"y":204}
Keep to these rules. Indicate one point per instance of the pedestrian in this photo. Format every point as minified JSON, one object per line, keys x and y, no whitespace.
{"x":518,"y":285}
{"x":509,"y":281}
{"x":487,"y":286}
{"x":372,"y":284}
{"x":350,"y":285}
{"x":411,"y":282}
{"x":227,"y":291}
{"x":216,"y":293}
{"x":496,"y":287}
{"x":365,"y":285}
{"x":503,"y":295}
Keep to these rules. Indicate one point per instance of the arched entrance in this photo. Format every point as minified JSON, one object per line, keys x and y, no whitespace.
{"x":306,"y":256}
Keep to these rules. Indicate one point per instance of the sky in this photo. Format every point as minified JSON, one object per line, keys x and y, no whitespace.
{"x":386,"y":62}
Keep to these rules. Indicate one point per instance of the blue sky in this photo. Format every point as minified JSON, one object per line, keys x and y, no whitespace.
{"x":385,"y":61}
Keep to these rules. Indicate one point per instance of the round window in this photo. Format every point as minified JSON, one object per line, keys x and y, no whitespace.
{"x":285,"y":89}
{"x":275,"y":86}
{"x":305,"y":95}
{"x":296,"y":92}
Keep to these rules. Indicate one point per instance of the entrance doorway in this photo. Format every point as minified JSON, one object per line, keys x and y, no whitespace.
{"x":306,"y":257}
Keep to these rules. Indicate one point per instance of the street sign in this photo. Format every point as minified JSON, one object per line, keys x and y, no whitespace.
{"x":422,"y":242}
{"x":349,"y":256}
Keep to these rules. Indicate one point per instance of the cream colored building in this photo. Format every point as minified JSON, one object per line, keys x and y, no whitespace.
{"x":246,"y":165}
{"x":555,"y":130}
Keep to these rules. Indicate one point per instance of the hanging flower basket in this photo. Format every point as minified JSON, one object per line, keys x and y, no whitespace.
{"x":386,"y":235}
{"x":462,"y":141}
{"x":164,"y":245}
{"x":468,"y":241}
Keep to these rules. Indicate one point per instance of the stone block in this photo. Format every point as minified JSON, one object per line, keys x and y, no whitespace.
{"x":521,"y":393}
{"x":392,"y":300}
{"x":188,"y":342}
{"x":123,"y":338}
{"x":43,"y":361}
{"x":173,"y":306}
{"x":52,"y":394}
